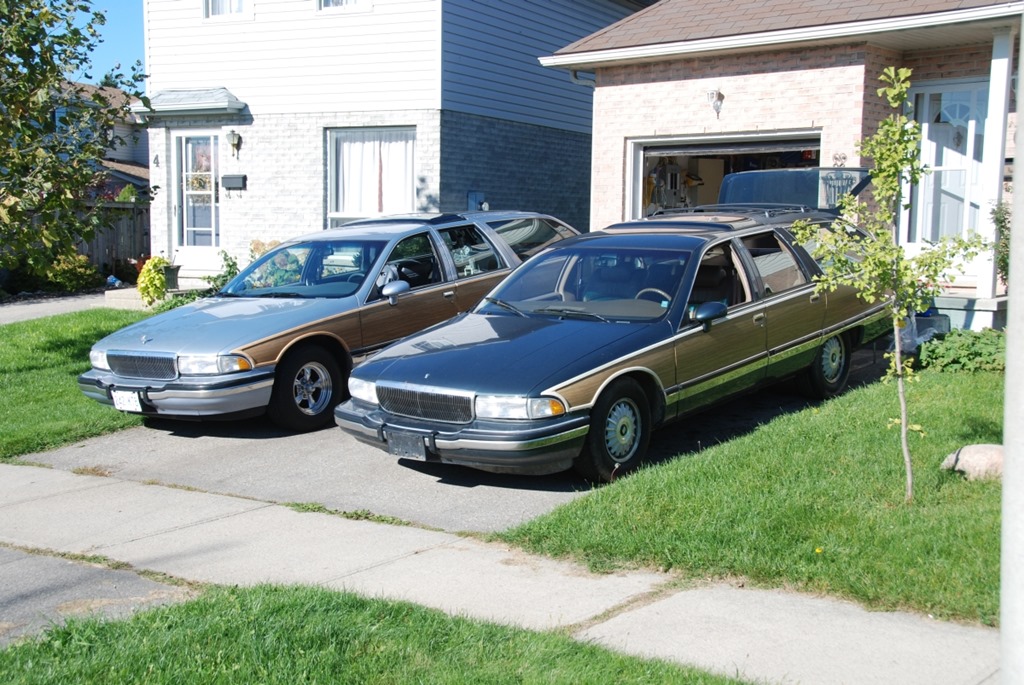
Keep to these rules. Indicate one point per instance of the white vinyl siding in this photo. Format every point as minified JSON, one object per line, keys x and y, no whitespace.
{"x":293,"y":57}
{"x":490,"y":59}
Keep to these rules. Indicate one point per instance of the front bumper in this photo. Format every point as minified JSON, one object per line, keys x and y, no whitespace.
{"x":526,"y":447}
{"x":237,"y":394}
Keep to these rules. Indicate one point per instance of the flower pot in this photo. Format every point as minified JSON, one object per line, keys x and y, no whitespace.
{"x":171,"y":276}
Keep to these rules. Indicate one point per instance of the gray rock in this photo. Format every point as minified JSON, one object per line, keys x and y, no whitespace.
{"x":977,"y":461}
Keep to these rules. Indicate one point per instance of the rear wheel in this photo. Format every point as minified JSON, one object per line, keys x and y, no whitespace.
{"x":828,"y":375}
{"x":620,"y":430}
{"x":307,"y":388}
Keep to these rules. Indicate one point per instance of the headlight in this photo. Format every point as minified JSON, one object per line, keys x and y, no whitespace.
{"x":212,"y":365}
{"x":510,"y":407}
{"x":365,"y":391}
{"x":98,"y":359}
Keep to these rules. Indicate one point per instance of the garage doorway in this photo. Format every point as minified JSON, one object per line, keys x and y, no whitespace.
{"x":669,"y":175}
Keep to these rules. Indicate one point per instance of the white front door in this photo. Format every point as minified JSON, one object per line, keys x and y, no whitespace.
{"x":197,"y":211}
{"x":948,"y":200}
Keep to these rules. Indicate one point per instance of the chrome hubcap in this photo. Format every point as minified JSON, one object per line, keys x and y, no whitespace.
{"x":312,"y":389}
{"x":833,"y":358}
{"x":621,"y":430}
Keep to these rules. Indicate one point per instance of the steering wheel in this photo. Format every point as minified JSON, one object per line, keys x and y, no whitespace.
{"x":664,"y":295}
{"x":353,"y":276}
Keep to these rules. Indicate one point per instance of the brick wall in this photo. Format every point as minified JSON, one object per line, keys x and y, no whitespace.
{"x":515,"y":166}
{"x":284,"y":159}
{"x":828,"y":91}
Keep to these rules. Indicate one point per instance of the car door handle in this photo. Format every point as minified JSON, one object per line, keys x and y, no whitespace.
{"x":815,"y":297}
{"x":448,"y":294}
{"x":759,"y":319}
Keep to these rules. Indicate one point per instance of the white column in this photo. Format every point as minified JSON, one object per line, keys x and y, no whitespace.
{"x":994,"y":151}
{"x":1011,"y":605}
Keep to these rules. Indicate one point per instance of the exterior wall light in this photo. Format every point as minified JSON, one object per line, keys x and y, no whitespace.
{"x":715,"y":99}
{"x":235,"y":141}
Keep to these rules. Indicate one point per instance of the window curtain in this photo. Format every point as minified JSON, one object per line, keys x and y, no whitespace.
{"x":374,"y":172}
{"x":218,"y":7}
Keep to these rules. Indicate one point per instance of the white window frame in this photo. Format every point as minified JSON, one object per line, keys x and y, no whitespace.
{"x":234,"y":10}
{"x":382,"y":170}
{"x":182,"y":192}
{"x":344,"y":6}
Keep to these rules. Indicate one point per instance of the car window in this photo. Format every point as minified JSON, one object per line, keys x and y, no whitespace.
{"x":529,"y":236}
{"x":311,"y":269}
{"x":412,"y":260}
{"x":719,"y":278}
{"x":620,"y":284}
{"x":778,"y":268}
{"x":472,"y":253}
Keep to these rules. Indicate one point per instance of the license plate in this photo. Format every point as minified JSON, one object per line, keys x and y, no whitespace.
{"x":407,"y":446}
{"x":126,"y":401}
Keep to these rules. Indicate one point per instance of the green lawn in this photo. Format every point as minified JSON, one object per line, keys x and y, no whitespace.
{"x":814,"y":500}
{"x":311,"y":635}
{"x":40,"y":404}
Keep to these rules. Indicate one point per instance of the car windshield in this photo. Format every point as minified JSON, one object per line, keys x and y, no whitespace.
{"x":317,"y":268}
{"x":592,"y":283}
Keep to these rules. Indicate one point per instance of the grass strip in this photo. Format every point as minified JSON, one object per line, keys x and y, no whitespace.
{"x":294,"y":635}
{"x":813,"y":500}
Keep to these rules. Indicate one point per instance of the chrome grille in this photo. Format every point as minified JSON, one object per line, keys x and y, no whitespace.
{"x":420,"y":403}
{"x":128,"y":365}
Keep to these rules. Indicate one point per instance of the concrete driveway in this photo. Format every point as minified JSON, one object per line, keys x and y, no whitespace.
{"x":254,"y":459}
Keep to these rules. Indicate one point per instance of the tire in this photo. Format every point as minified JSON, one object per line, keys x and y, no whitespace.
{"x":308,"y":386}
{"x":827,"y":376}
{"x":620,"y":430}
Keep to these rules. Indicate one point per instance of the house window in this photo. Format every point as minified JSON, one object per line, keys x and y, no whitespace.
{"x":224,"y":8}
{"x":370,"y":172}
{"x":344,"y":5}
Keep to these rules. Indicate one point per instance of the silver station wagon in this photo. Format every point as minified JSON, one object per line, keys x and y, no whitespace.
{"x":579,"y":354}
{"x":282,"y":336}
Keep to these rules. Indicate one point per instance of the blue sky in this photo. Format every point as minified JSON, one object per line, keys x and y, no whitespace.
{"x":122,"y":37}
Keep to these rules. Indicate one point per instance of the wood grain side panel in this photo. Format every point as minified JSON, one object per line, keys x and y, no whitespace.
{"x":658,"y":362}
{"x":383,"y":322}
{"x":344,"y":327}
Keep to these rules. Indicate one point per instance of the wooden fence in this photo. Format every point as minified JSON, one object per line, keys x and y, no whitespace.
{"x":126,"y":237}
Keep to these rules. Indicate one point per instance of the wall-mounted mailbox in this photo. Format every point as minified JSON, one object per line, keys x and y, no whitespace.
{"x":233,"y":182}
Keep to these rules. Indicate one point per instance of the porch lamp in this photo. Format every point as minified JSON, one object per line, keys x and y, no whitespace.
{"x":715,"y":99}
{"x":235,"y":141}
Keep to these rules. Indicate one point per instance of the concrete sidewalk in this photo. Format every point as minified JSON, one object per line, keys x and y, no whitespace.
{"x":766,"y":636}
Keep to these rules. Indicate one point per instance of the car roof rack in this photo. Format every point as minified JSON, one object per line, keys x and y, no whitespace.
{"x":767,"y":210}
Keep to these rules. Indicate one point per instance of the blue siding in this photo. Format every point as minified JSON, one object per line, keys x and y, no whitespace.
{"x":490,"y":52}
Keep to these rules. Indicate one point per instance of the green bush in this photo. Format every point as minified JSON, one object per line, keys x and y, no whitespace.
{"x":74,"y":274}
{"x":216,"y":283}
{"x":152,"y":282}
{"x":962,"y":350}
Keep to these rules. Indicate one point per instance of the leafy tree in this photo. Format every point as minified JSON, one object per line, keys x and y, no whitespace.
{"x":877,"y":265}
{"x":53,"y":132}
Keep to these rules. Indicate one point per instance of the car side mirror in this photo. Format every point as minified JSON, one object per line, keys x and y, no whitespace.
{"x":393,"y":289}
{"x":708,"y":312}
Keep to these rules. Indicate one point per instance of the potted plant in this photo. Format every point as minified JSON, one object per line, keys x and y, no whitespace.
{"x":152,"y":282}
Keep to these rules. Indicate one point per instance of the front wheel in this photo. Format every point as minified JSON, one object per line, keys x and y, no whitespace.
{"x":620,"y":430}
{"x":828,"y":375}
{"x":307,"y":388}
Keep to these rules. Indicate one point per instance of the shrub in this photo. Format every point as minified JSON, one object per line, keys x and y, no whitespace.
{"x":74,"y":273}
{"x":152,"y":282}
{"x":962,"y":350}
{"x":1001,"y":218}
{"x":229,"y":271}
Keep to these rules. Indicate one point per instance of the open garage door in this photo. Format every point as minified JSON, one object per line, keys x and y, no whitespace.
{"x":685,"y":174}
